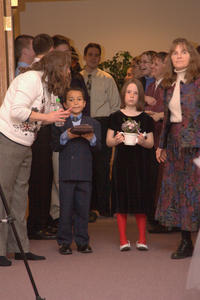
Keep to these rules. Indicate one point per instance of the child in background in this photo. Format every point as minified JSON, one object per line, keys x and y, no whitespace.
{"x":132,"y":164}
{"x":75,"y":174}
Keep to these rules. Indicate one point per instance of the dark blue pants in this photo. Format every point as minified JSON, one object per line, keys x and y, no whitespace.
{"x":74,"y":209}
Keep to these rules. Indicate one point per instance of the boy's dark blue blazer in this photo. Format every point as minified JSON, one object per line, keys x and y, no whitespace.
{"x":75,"y":158}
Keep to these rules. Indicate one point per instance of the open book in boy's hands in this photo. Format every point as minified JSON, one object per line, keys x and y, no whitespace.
{"x":82,"y":129}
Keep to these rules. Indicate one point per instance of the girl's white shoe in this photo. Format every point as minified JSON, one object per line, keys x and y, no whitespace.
{"x":125,"y":247}
{"x":142,"y":247}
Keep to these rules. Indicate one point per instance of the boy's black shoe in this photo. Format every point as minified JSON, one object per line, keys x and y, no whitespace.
{"x":29,"y":256}
{"x":65,"y":249}
{"x":84,"y":249}
{"x":4,"y":262}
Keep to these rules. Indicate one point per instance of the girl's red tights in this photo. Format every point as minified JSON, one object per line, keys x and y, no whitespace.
{"x":121,"y":222}
{"x":141,"y":224}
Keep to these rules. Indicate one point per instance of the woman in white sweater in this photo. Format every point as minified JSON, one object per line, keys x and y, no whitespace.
{"x":26,"y":106}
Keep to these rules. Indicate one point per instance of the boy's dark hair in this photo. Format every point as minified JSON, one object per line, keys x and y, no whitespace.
{"x":140,"y":104}
{"x":76,"y":89}
{"x":42,"y":43}
{"x":150,"y":53}
{"x":92,"y":45}
{"x":59,"y":39}
{"x":161,"y":55}
{"x":21,"y":42}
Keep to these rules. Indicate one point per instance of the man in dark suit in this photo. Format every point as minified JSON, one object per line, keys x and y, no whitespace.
{"x":75,"y":173}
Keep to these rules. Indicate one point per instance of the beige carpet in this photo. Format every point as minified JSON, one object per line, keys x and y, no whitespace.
{"x":106,"y":274}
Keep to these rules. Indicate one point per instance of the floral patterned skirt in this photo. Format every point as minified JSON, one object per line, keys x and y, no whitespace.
{"x":179,"y":201}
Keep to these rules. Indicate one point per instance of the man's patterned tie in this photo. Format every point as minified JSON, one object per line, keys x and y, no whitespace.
{"x":89,"y":83}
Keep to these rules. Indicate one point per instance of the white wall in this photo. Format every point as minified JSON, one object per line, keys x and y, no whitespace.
{"x":115,"y":24}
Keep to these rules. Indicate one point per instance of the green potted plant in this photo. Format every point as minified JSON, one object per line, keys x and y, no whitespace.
{"x":117,"y":66}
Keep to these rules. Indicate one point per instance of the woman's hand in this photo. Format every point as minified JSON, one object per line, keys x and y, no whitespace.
{"x":150,"y":100}
{"x":58,"y":115}
{"x":156,"y":116}
{"x":149,"y":112}
{"x":161,"y":155}
{"x":52,"y":117}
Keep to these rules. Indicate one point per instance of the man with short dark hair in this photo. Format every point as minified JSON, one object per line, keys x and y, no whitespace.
{"x":24,"y":53}
{"x":104,"y":100}
{"x":42,"y":44}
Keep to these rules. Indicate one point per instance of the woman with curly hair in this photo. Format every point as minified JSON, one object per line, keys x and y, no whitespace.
{"x":179,"y":202}
{"x":25,"y":108}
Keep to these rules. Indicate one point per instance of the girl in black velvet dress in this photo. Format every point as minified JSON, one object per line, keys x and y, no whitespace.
{"x":132,"y":164}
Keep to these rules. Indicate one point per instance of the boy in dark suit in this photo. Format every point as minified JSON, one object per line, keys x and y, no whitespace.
{"x":75,"y":173}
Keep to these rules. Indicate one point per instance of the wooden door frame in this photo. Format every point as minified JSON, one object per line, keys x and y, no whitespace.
{"x":7,"y":62}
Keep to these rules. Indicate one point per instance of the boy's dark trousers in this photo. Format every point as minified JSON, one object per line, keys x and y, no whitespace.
{"x":74,"y":208}
{"x":75,"y":177}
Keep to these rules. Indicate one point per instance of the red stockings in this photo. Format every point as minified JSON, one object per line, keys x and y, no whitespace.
{"x":141,"y":224}
{"x":121,"y":222}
